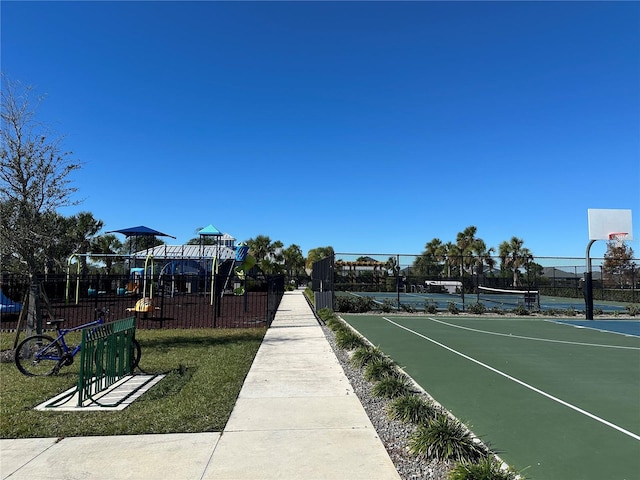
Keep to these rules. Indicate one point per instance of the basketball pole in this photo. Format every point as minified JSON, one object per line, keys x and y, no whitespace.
{"x":588,"y":286}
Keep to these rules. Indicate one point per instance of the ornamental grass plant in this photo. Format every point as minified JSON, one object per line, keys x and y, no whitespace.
{"x":392,"y":386}
{"x":414,"y":409}
{"x":380,"y":368}
{"x":364,"y":355}
{"x":445,"y":439}
{"x":487,"y":468}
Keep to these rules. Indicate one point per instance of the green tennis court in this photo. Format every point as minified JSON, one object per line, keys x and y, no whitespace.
{"x":557,"y":401}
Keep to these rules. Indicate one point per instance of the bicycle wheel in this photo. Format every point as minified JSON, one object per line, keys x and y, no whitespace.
{"x":38,"y":355}
{"x":135,"y":354}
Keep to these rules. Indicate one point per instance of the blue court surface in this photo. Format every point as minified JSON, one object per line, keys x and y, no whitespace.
{"x":626,"y":327}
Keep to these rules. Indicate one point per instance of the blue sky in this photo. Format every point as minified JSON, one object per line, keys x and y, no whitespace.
{"x":372,"y":127}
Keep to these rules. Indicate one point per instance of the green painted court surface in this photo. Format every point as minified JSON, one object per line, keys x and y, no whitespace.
{"x":555,"y":401}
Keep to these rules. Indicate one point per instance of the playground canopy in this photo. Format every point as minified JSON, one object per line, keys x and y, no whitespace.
{"x":140,"y":231}
{"x":210,"y":231}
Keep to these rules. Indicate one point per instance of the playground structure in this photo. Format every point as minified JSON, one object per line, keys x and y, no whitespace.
{"x":210,"y":284}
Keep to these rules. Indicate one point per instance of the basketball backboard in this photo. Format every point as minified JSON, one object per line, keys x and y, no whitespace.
{"x":603,"y":222}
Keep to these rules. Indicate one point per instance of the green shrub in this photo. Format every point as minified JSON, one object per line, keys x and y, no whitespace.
{"x":388,"y":306}
{"x":335,"y":325}
{"x":407,"y":307}
{"x":453,"y":308}
{"x":521,"y":310}
{"x":633,"y":310}
{"x":379,"y":368}
{"x":326,"y":314}
{"x":570,"y":312}
{"x":365,"y":355}
{"x":486,"y":468}
{"x":348,"y":339}
{"x":392,"y":387}
{"x":354,"y":304}
{"x":445,"y":439}
{"x":412,"y":409}
{"x":430,"y":307}
{"x":477,"y":308}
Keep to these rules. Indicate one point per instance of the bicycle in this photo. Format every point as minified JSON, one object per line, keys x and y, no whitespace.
{"x":42,"y":355}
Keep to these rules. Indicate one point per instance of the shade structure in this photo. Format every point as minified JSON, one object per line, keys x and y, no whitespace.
{"x":210,"y":231}
{"x":140,"y":231}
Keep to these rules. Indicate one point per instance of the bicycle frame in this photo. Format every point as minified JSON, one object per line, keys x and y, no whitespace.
{"x":62,"y":332}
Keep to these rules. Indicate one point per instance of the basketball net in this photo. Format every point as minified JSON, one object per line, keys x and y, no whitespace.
{"x":618,"y":238}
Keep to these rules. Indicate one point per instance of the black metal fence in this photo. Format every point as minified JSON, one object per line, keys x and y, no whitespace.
{"x":553,"y":276}
{"x":177,"y":301}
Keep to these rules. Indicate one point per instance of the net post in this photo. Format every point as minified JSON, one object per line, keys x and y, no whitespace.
{"x":587,"y":288}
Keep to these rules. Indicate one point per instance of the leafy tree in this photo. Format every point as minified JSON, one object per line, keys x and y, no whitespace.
{"x":481,"y":256}
{"x":293,"y":261}
{"x":58,"y":245}
{"x":453,"y":258}
{"x":316,"y":254}
{"x":429,"y":263}
{"x":83,"y":229}
{"x":466,"y":241}
{"x":106,"y":245}
{"x":34,"y":178}
{"x":391,"y":265}
{"x":618,"y":266}
{"x":268,"y":254}
{"x":513,"y":256}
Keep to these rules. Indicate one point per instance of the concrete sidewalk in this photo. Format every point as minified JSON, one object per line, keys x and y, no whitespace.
{"x":296,"y":417}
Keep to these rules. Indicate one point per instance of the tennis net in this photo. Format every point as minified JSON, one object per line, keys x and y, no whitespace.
{"x":502,"y":296}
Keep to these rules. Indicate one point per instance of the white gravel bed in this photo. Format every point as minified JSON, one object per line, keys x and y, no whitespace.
{"x":394,"y":434}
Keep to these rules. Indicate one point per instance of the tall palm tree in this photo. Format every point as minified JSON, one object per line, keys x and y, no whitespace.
{"x":481,"y":257}
{"x":453,"y":257}
{"x":513,"y":256}
{"x":465,"y":241}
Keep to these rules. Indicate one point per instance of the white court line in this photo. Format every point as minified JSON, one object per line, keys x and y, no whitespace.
{"x":520,"y":382}
{"x":550,"y":340}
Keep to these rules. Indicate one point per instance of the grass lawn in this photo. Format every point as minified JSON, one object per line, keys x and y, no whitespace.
{"x":205,"y":371}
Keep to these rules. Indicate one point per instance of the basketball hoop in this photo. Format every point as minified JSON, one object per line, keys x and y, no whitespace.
{"x":618,"y":238}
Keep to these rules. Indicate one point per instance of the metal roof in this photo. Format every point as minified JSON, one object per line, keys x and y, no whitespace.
{"x":173,"y":252}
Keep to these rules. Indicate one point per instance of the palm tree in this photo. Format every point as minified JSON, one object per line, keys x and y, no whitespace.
{"x":293,"y":260}
{"x":513,"y":256}
{"x":268,"y":254}
{"x":84,"y":228}
{"x":316,"y":254}
{"x":453,"y":257}
{"x":466,"y":241}
{"x":481,"y":257}
{"x":106,"y":245}
{"x":429,"y":262}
